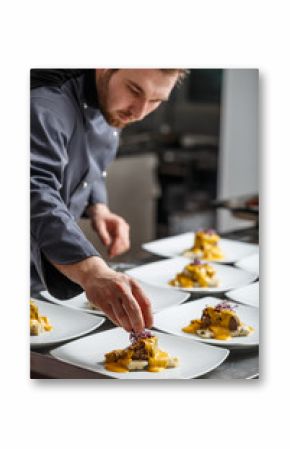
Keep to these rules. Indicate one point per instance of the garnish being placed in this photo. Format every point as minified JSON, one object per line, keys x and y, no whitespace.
{"x":38,"y":323}
{"x":220,"y":322}
{"x":135,"y":336}
{"x":196,"y":274}
{"x":206,"y":246}
{"x":142,"y":354}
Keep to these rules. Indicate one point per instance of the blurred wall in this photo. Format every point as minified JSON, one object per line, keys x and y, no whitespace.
{"x":238,"y":155}
{"x":132,"y":192}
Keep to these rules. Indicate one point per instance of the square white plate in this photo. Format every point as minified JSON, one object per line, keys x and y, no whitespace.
{"x":247,"y":295}
{"x":250,"y":263}
{"x":161,"y":272}
{"x":175,"y":318}
{"x":66,"y":324}
{"x":88,"y":352}
{"x":160,"y":299}
{"x":174,"y":246}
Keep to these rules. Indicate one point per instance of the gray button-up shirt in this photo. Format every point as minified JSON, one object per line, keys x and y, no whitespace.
{"x":71,"y":146}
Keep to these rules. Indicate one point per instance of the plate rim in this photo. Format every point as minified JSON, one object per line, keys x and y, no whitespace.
{"x":242,"y":288}
{"x":225,"y":351}
{"x":219,"y":343}
{"x":58,"y":302}
{"x":64,"y":339}
{"x":227,"y":261}
{"x":196,"y":289}
{"x":257,"y":272}
{"x":101,"y":313}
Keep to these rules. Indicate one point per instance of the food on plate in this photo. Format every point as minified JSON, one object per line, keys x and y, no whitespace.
{"x":220,"y":322}
{"x":38,"y":323}
{"x":196,"y":274}
{"x":206,"y":246}
{"x":142,"y":354}
{"x":91,"y":305}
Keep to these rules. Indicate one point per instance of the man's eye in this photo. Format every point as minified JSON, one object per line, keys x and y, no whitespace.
{"x":134,"y":91}
{"x":156,"y":102}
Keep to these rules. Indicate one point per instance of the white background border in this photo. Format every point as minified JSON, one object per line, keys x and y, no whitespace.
{"x":54,"y":414}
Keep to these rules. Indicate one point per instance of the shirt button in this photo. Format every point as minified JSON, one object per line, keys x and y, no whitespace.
{"x":85,"y":105}
{"x":85,"y":184}
{"x":104,"y":174}
{"x":115,"y":133}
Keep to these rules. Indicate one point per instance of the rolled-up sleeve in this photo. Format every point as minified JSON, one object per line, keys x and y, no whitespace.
{"x":98,"y":192}
{"x":55,"y":235}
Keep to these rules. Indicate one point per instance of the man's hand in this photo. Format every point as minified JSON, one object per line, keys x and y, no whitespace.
{"x":120,"y":297}
{"x":112,"y":229}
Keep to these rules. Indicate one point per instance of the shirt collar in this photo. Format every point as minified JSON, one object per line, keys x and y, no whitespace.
{"x":90,"y":88}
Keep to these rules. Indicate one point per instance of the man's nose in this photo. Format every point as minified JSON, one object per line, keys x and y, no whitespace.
{"x":140,"y":109}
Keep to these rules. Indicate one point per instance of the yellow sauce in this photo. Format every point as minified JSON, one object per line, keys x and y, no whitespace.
{"x":157,"y":360}
{"x":194,"y":275}
{"x":206,"y":246}
{"x":36,"y":318}
{"x":115,"y":367}
{"x":219,"y":324}
{"x":220,"y":333}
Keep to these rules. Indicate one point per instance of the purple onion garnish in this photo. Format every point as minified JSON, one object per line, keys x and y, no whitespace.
{"x":135,"y":336}
{"x":196,"y":261}
{"x":224,"y":305}
{"x":210,"y":231}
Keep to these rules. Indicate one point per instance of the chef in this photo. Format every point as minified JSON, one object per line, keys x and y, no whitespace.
{"x":76,"y":117}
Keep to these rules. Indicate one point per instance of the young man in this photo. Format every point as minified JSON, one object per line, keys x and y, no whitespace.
{"x":76,"y":116}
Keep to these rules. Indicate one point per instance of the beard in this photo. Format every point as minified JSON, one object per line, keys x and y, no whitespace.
{"x":112,"y":119}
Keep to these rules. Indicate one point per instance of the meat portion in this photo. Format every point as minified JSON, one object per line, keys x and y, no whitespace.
{"x":116,"y":355}
{"x":220,"y":317}
{"x":234,"y":323}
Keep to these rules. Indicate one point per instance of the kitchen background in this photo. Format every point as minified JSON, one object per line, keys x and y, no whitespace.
{"x":199,"y":148}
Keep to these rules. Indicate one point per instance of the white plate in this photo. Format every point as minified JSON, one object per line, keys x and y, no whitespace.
{"x":250,"y":263}
{"x":88,"y":352}
{"x":174,"y":319}
{"x":160,"y":299}
{"x":66,"y":324}
{"x":246,"y":295}
{"x":161,"y":272}
{"x":174,"y":246}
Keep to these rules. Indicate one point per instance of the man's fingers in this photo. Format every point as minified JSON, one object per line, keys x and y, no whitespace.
{"x":121,"y":240}
{"x":132,"y":309}
{"x":104,"y":234}
{"x":121,"y":314}
{"x":143,"y":301}
{"x":118,"y":247}
{"x":109,"y":311}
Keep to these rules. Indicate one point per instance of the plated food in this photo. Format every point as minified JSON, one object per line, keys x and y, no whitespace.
{"x":196,"y":274}
{"x":160,"y":274}
{"x":220,"y":322}
{"x":195,"y":359}
{"x":38,"y":323}
{"x":173,"y":246}
{"x":142,"y":354}
{"x":91,"y":306}
{"x":175,"y":319}
{"x":67,"y":323}
{"x":205,"y":246}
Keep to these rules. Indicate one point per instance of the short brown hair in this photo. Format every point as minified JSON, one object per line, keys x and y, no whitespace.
{"x":182,"y":73}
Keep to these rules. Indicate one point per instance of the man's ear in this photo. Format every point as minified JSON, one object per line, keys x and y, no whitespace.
{"x":100,"y":72}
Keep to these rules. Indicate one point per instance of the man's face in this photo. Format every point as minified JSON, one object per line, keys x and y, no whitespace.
{"x":128,"y":95}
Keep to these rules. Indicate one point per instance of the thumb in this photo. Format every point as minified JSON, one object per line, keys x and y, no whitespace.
{"x":103,"y":233}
